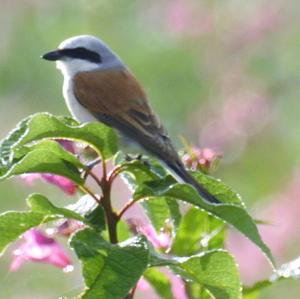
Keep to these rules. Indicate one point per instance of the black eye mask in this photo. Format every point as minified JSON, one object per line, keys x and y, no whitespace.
{"x":77,"y":53}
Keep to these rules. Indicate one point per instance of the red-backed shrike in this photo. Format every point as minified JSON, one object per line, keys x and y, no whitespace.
{"x":98,"y":86}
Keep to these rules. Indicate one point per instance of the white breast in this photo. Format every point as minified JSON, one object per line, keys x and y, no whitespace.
{"x":80,"y":113}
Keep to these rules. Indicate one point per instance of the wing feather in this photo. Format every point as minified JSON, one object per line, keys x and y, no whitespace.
{"x":117,"y":99}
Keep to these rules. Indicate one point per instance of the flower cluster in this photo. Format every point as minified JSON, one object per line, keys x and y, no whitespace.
{"x":201,"y":159}
{"x":37,"y":247}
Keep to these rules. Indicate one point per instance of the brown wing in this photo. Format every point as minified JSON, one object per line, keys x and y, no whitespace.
{"x":117,"y":99}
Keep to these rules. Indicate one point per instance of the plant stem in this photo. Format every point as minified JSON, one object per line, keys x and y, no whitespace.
{"x":88,"y":191}
{"x":128,"y":205}
{"x":111,"y":216}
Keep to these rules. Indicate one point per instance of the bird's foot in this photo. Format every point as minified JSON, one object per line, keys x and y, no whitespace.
{"x":88,"y":167}
{"x":138,"y":157}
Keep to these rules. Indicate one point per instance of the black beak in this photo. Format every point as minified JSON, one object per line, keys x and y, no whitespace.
{"x":53,"y":55}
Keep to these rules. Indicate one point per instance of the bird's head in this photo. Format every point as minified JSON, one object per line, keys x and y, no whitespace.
{"x":83,"y":53}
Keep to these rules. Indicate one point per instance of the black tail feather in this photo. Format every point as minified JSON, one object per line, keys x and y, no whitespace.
{"x":180,"y":172}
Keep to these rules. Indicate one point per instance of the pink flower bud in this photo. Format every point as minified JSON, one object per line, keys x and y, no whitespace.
{"x":200,"y":159}
{"x":37,"y":247}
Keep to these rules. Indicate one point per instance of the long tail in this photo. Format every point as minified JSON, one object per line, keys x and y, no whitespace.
{"x":179,"y":171}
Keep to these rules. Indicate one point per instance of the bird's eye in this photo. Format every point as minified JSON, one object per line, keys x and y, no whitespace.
{"x":82,"y":53}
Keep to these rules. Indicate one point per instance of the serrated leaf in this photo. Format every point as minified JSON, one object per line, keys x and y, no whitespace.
{"x":14,"y":224}
{"x":158,"y":212}
{"x":12,"y":138}
{"x":160,"y":283}
{"x":232,"y":213}
{"x":45,"y":125}
{"x":214,"y":270}
{"x":110,"y":271}
{"x":195,"y":226}
{"x":40,"y":204}
{"x":231,"y":209}
{"x":174,"y":213}
{"x":47,"y":157}
{"x":92,"y":212}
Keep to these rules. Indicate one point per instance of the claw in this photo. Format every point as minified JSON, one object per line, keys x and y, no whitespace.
{"x":89,"y":166}
{"x":138,"y":157}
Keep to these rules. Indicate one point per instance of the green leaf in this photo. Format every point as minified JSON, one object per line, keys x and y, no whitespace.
{"x":157,"y":211}
{"x":174,"y":212}
{"x":216,"y":187}
{"x":92,"y":212}
{"x":12,"y":138}
{"x":123,"y":231}
{"x":47,"y":157}
{"x":216,"y":271}
{"x":253,"y":295}
{"x":40,"y":204}
{"x":257,"y":287}
{"x":196,"y":226}
{"x":45,"y":125}
{"x":7,"y":143}
{"x":137,"y":173}
{"x":109,"y":271}
{"x":196,"y":291}
{"x":13,"y":224}
{"x":232,"y":213}
{"x":160,"y":282}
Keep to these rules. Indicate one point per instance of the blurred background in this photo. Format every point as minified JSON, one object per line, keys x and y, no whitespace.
{"x":224,"y":74}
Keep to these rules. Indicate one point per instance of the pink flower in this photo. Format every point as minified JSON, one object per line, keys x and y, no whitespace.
{"x":200,"y":159}
{"x":37,"y":247}
{"x":68,"y":227}
{"x":63,"y":183}
{"x":178,"y":288}
{"x":159,"y":241}
{"x":143,"y":284}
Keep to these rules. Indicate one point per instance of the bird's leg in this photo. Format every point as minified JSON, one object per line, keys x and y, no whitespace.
{"x":130,"y":158}
{"x":93,"y":163}
{"x":138,"y":157}
{"x":89,"y":166}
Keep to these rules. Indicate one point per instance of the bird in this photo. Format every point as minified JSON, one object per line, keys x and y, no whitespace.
{"x":99,"y":86}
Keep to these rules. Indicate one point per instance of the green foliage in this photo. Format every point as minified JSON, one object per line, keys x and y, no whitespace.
{"x":111,"y":269}
{"x":46,"y":157}
{"x":44,"y":125}
{"x":93,"y":213}
{"x":203,"y":226}
{"x":216,"y":271}
{"x":231,"y":210}
{"x":18,"y":145}
{"x":13,"y":224}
